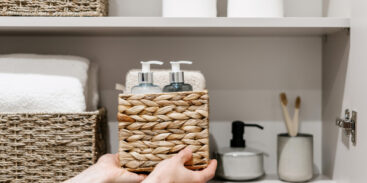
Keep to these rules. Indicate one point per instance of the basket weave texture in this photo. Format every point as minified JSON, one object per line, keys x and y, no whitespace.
{"x":54,"y":7}
{"x":48,"y":147}
{"x":154,"y":127}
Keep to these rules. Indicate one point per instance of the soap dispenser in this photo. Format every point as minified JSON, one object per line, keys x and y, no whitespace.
{"x":177,"y":79}
{"x":145,"y":78}
{"x":239,"y":162}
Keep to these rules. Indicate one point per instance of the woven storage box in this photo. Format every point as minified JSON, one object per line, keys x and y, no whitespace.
{"x":154,"y":127}
{"x":48,"y":147}
{"x":54,"y":7}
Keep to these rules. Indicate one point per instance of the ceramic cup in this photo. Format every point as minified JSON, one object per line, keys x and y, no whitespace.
{"x":255,"y":8}
{"x":295,"y":157}
{"x":189,"y":8}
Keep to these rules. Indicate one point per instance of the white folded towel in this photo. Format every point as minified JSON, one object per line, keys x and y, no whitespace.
{"x":56,"y":65}
{"x":40,"y":93}
{"x":161,"y":78}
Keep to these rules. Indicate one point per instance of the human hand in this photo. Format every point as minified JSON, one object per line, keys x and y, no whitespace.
{"x":107,"y":170}
{"x":173,"y":170}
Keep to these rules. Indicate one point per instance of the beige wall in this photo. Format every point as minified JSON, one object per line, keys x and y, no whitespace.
{"x":337,"y":8}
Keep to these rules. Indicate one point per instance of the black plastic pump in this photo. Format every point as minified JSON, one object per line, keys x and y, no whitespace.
{"x":238,"y":129}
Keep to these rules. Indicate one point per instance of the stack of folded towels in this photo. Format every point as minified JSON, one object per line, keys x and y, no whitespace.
{"x":47,"y":83}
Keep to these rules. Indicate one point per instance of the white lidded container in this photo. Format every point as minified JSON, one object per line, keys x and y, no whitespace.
{"x":255,"y":8}
{"x":239,"y":162}
{"x":189,"y":8}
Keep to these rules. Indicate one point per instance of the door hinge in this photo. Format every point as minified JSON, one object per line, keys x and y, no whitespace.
{"x":349,"y":124}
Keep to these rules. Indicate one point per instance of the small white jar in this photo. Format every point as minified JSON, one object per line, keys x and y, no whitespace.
{"x":255,"y":8}
{"x":189,"y":8}
{"x":240,"y":164}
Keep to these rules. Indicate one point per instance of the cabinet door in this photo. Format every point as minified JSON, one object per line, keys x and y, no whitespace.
{"x":356,"y":92}
{"x":345,"y":87}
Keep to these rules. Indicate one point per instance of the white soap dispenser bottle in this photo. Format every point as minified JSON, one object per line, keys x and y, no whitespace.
{"x":177,"y":78}
{"x":145,"y":78}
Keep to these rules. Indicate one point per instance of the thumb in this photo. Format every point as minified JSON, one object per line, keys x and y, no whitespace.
{"x":185,"y":155}
{"x":209,"y":172}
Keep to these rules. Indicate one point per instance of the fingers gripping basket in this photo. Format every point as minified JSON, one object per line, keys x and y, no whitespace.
{"x":154,"y":127}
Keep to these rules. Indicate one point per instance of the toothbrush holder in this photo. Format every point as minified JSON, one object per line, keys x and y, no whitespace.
{"x":295,"y":157}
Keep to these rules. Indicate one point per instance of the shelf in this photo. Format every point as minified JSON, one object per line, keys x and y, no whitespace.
{"x":157,"y":26}
{"x":274,"y":179}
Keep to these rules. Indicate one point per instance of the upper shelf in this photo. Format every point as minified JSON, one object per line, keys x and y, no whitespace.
{"x":171,"y":26}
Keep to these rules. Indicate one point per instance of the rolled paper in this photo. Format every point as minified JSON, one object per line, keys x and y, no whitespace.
{"x":189,"y":8}
{"x":255,"y":8}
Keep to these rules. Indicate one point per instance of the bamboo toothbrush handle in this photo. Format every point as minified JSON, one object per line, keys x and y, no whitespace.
{"x":288,"y":121}
{"x":296,"y":121}
{"x":296,"y":115}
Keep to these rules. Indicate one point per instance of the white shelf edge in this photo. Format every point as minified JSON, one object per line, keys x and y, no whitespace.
{"x":172,"y":26}
{"x":172,"y":22}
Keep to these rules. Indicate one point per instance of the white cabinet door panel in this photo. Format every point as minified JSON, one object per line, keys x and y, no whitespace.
{"x":343,"y":161}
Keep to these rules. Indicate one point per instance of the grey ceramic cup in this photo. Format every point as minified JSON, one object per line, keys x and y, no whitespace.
{"x":295,"y":157}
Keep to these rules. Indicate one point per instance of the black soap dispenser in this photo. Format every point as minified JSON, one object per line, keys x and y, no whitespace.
{"x":239,"y":162}
{"x":238,"y":129}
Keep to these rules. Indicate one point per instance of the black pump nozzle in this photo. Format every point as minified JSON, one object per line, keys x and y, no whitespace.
{"x":238,"y":129}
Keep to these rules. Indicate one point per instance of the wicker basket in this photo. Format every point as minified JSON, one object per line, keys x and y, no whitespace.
{"x":48,"y":147}
{"x":154,"y":127}
{"x":73,"y":8}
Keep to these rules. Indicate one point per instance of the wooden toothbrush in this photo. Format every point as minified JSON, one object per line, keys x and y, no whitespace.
{"x":296,"y":116}
{"x":287,"y":118}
